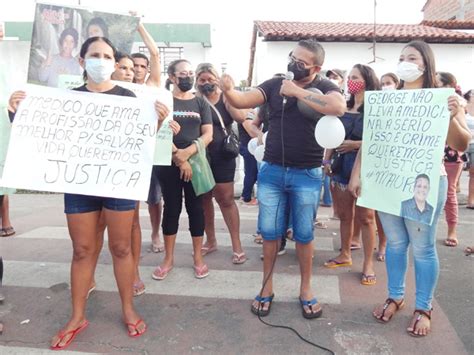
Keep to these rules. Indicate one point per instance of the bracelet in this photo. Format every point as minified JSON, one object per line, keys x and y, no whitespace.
{"x":325,"y":161}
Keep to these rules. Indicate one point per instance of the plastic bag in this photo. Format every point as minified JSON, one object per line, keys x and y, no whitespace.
{"x":202,"y":180}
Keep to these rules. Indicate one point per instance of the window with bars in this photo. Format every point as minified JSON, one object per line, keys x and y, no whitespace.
{"x":167,"y":55}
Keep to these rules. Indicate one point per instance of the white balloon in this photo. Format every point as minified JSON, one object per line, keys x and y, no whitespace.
{"x":329,"y":132}
{"x":259,"y":153}
{"x":264,"y":138}
{"x":252,"y":145}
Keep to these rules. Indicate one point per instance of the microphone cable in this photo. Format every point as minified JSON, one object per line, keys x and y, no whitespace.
{"x":274,"y":261}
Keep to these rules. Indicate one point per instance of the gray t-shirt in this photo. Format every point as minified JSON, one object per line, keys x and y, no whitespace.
{"x":59,"y":66}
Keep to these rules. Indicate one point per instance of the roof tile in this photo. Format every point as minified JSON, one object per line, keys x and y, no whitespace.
{"x":361,"y":32}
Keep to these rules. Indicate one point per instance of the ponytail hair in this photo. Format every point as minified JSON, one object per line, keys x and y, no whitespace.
{"x":168,"y":84}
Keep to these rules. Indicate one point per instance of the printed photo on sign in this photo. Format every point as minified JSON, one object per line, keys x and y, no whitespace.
{"x":84,"y":143}
{"x":418,"y":208}
{"x":58,"y":33}
{"x":402,"y":150}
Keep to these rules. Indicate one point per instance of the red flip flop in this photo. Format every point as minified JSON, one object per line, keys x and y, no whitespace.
{"x":135,"y":328}
{"x":73,"y":333}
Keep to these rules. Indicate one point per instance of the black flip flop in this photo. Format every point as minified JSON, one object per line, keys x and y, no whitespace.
{"x":310,"y":305}
{"x":261,"y":303}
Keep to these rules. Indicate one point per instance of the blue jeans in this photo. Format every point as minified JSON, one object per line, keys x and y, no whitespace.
{"x":250,"y":173}
{"x":282,"y":189}
{"x":400,"y":233}
{"x":327,"y":199}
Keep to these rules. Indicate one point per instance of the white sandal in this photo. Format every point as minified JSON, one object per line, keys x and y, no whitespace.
{"x":238,"y":258}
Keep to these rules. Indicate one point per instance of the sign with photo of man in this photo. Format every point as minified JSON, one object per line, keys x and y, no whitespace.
{"x":402,"y":150}
{"x":58,"y":33}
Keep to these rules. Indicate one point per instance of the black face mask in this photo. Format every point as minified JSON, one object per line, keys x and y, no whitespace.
{"x":299,"y":73}
{"x":207,"y":88}
{"x":186,"y":84}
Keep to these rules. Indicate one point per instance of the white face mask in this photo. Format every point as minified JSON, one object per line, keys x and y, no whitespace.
{"x":408,"y":72}
{"x":99,"y":69}
{"x":388,"y":87}
{"x":335,"y":82}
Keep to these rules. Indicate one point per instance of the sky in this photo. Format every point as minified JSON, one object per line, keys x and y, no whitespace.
{"x":243,"y":11}
{"x":232,"y":21}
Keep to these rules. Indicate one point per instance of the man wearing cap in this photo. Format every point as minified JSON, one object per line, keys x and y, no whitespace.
{"x":337,"y":77}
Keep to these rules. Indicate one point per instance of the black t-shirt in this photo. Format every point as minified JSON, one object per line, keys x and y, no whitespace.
{"x":218,"y":135}
{"x":190,"y":114}
{"x":116,"y":90}
{"x":353,"y":123}
{"x":300,"y":146}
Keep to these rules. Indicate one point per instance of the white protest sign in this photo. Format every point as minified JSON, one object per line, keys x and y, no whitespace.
{"x":402,"y":151}
{"x":13,"y":64}
{"x":164,"y":137}
{"x":78,"y":142}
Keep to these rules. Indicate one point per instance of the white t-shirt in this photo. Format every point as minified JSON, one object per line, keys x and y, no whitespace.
{"x":470,"y":124}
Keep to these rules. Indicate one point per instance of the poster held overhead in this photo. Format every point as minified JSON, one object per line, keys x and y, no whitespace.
{"x":58,"y":33}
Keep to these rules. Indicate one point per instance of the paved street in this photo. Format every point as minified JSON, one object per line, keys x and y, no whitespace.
{"x":186,"y":315}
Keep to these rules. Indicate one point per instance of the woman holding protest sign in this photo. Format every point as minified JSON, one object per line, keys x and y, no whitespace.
{"x":84,"y":212}
{"x":222,"y":163}
{"x":194,"y":116}
{"x":362,"y":78}
{"x":417,"y":71}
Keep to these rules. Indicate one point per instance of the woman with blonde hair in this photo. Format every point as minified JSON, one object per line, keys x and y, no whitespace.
{"x":222,"y":165}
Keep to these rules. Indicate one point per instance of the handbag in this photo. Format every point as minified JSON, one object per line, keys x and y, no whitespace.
{"x":202,"y":180}
{"x":230,"y":145}
{"x":336,"y":165}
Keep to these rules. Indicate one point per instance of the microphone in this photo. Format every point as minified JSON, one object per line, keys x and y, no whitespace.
{"x":288,"y":76}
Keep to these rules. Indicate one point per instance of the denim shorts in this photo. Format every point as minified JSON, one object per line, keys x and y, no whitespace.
{"x":74,"y":203}
{"x":470,"y":153}
{"x":282,"y":191}
{"x":154,"y":194}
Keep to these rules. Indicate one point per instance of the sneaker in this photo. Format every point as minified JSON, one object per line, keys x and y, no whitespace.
{"x":282,"y":251}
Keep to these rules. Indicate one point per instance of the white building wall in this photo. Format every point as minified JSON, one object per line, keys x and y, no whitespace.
{"x":271,"y":57}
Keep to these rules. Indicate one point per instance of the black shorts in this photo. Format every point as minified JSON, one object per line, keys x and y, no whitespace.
{"x":222,"y":169}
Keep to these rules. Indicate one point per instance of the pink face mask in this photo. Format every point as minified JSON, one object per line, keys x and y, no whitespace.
{"x":355,"y":87}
